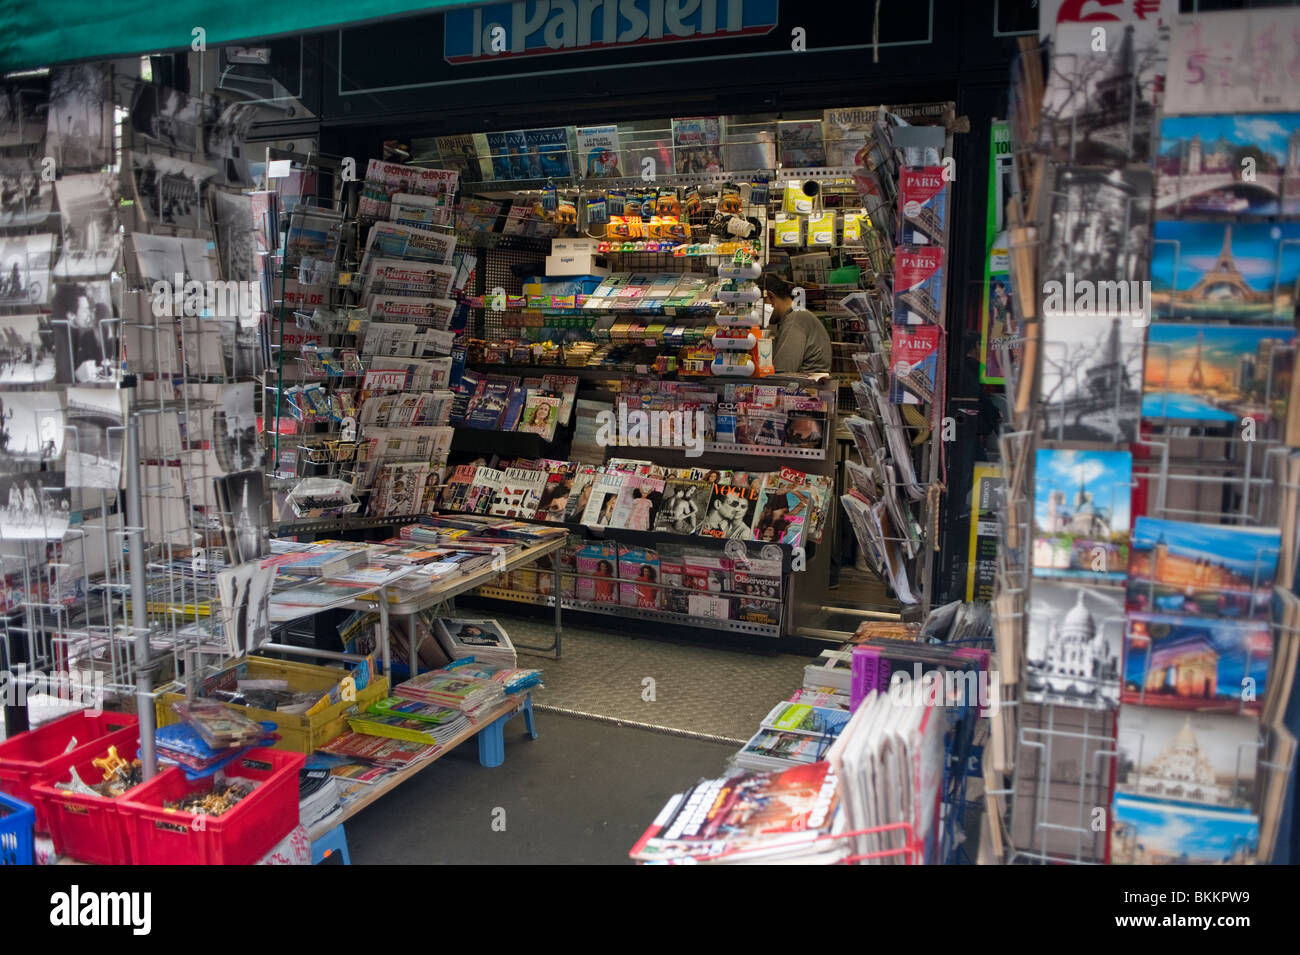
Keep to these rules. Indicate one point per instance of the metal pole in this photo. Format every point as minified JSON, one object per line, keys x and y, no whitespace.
{"x":139,"y":594}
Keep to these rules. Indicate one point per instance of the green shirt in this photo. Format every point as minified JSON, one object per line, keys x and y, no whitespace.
{"x":802,"y":344}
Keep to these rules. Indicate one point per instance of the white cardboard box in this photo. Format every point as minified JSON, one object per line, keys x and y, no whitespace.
{"x":576,"y":263}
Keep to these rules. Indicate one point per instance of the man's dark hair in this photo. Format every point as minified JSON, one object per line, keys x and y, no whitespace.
{"x":778,"y":286}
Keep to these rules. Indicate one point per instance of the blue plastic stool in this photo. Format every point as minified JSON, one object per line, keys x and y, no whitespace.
{"x":336,"y":840}
{"x":492,"y":740}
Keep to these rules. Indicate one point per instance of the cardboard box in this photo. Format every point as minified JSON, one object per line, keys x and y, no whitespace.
{"x":577,"y":263}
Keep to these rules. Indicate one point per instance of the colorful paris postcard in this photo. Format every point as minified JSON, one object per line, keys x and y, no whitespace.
{"x":1206,"y":570}
{"x":1205,"y":758}
{"x":1217,"y":374}
{"x":1225,"y":270}
{"x":1081,"y":514}
{"x":1229,"y":165}
{"x":1150,"y":832}
{"x":1196,"y":663}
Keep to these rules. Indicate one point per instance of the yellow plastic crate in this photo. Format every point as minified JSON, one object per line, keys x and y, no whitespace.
{"x":299,"y":733}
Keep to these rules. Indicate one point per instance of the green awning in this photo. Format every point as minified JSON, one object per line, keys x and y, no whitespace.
{"x":35,"y":34}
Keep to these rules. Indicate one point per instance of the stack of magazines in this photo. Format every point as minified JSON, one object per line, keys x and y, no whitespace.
{"x":484,"y":640}
{"x":792,"y":734}
{"x":780,"y":817}
{"x":469,"y":695}
{"x":412,"y":720}
{"x":318,"y":799}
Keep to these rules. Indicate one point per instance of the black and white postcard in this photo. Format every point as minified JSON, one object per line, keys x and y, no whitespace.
{"x":23,"y":104}
{"x":26,"y":199}
{"x":31,"y":425}
{"x":242,"y":350}
{"x":85,"y":332}
{"x":160,"y":258}
{"x":1076,"y":637}
{"x":167,"y":117}
{"x":25,"y":269}
{"x":79,"y":126}
{"x":1099,"y":226}
{"x":225,"y":129}
{"x":236,"y":244}
{"x":1092,"y":378}
{"x":26,"y":350}
{"x":245,"y":514}
{"x":94,"y":454}
{"x":169,"y":190}
{"x":235,"y":439}
{"x":34,"y":506}
{"x":1100,"y":101}
{"x":91,"y":239}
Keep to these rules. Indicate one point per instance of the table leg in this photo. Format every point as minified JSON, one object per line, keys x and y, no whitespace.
{"x":384,"y":638}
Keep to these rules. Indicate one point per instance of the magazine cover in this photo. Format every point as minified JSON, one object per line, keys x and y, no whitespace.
{"x":781,"y":516}
{"x":637,"y":502}
{"x":918,"y":285}
{"x":598,"y":152}
{"x":1217,"y":374}
{"x":800,"y":144}
{"x":847,"y":132}
{"x":1091,"y":378}
{"x":1203,"y":758}
{"x":596,"y":565}
{"x":638,"y":571}
{"x":1205,"y":570}
{"x":509,"y":152}
{"x":684,"y":505}
{"x":548,"y":152}
{"x":521,"y":492}
{"x":697,"y":144}
{"x":468,"y":154}
{"x":1196,"y":663}
{"x":914,"y":364}
{"x":731,"y":511}
{"x":599,"y":510}
{"x":541,"y":413}
{"x":1076,"y":639}
{"x":1225,"y":270}
{"x":1081,"y":514}
{"x":463,"y":637}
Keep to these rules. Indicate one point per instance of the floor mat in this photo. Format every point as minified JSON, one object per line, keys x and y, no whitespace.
{"x":700,"y":691}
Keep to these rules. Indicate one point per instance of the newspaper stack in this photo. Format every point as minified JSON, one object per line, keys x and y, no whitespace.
{"x":484,"y":640}
{"x":318,"y":794}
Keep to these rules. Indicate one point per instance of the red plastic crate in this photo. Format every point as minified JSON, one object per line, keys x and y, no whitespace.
{"x":240,"y":836}
{"x":26,"y":759}
{"x":86,"y":828}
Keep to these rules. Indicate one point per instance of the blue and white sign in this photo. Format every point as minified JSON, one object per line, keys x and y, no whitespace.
{"x":538,"y":27}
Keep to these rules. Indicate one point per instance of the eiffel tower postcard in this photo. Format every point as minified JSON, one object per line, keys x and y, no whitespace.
{"x":1228,"y":270}
{"x":1217,"y":374}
